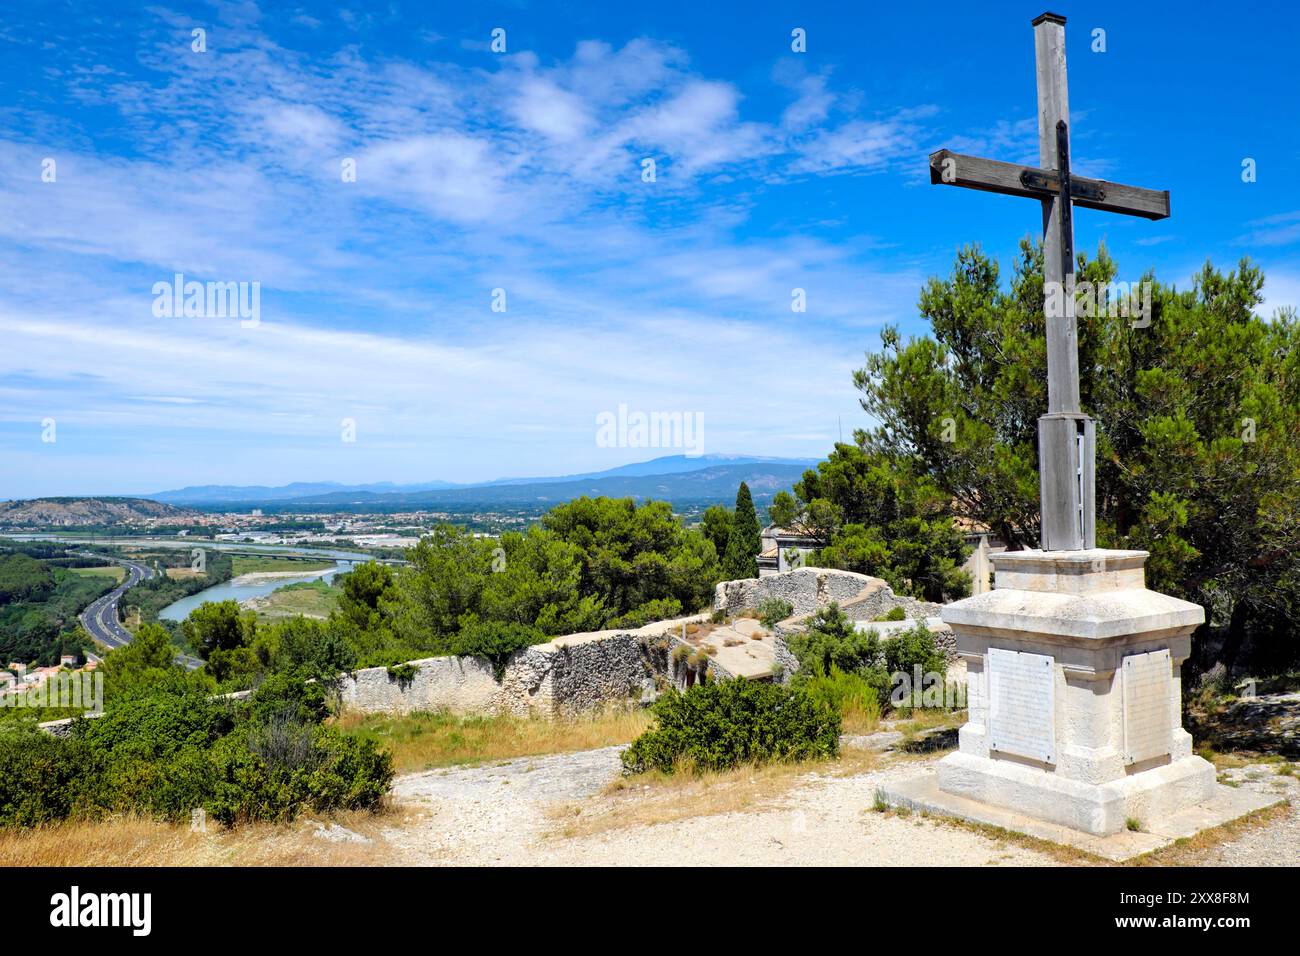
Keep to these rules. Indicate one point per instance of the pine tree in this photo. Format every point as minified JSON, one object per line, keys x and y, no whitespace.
{"x":1198,"y":438}
{"x":745,"y":539}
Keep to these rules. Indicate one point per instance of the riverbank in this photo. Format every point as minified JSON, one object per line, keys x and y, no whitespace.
{"x":261,"y":577}
{"x":256,"y":584}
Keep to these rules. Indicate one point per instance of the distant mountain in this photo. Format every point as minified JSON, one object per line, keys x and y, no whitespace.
{"x":670,"y":472}
{"x":80,"y":512}
{"x":667,"y":465}
{"x":716,"y":484}
{"x":240,"y":494}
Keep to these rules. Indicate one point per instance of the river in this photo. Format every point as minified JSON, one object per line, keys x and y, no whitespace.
{"x":229,"y":590}
{"x":234,"y":590}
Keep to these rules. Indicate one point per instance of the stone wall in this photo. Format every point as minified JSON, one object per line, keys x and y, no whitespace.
{"x":806,"y":588}
{"x":569,"y":675}
{"x":862,"y":598}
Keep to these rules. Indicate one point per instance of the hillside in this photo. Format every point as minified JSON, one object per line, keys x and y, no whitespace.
{"x":210,"y":496}
{"x":42,"y":513}
{"x":703,"y":486}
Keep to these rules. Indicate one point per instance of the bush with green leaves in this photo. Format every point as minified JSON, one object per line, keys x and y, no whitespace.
{"x":859,"y":695}
{"x":39,"y":776}
{"x":832,"y":643}
{"x":773,"y":610}
{"x":717,"y":725}
{"x":496,"y":641}
{"x":912,"y":648}
{"x":173,"y":751}
{"x":832,"y":640}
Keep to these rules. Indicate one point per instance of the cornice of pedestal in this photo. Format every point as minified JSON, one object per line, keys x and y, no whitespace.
{"x":1093,"y":595}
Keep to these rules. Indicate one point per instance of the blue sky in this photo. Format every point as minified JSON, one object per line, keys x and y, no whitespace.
{"x":522,"y":171}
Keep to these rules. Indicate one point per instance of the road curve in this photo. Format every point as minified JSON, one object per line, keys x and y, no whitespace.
{"x":100,"y":618}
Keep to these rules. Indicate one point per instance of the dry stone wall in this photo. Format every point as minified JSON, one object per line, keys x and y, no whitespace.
{"x":806,"y":588}
{"x":860,"y":597}
{"x":569,"y":675}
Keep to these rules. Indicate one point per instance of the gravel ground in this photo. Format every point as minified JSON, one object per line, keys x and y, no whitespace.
{"x":1277,"y":844}
{"x":505,"y":814}
{"x":498,"y":815}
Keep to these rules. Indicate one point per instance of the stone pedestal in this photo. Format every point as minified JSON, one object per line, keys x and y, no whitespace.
{"x":1074,"y":692}
{"x":1074,"y":673}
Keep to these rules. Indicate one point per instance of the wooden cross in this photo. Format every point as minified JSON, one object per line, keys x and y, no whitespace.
{"x":1066,"y":436}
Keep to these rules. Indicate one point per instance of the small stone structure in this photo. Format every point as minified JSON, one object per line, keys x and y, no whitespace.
{"x":806,"y":588}
{"x":861,"y":597}
{"x":568,"y":675}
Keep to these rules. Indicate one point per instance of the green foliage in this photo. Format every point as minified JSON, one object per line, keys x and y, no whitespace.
{"x":1198,"y":429}
{"x":23,"y":578}
{"x":146,"y":665}
{"x":219,"y":626}
{"x":831,"y":640}
{"x":39,"y":603}
{"x":858,"y":695}
{"x":367,"y":589}
{"x":660,"y":609}
{"x":403,"y":673}
{"x":722,"y":724}
{"x":633,"y":555}
{"x":879,"y":516}
{"x":893,"y":614}
{"x":319,"y":648}
{"x":912,"y":648}
{"x":715,"y":525}
{"x":168,"y":753}
{"x":744,"y":540}
{"x":773,"y":610}
{"x":289,"y":695}
{"x":496,"y":641}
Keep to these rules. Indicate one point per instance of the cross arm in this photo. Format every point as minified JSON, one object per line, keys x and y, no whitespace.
{"x":1010,"y":179}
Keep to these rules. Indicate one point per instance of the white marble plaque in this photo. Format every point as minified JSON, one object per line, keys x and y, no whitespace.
{"x":1148,"y":713}
{"x":1022,"y":704}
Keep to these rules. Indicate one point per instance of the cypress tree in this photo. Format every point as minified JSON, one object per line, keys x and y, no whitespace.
{"x":745,"y":540}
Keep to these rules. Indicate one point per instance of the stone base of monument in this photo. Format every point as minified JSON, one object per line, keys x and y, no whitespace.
{"x":1074,"y":690}
{"x":1225,"y":805}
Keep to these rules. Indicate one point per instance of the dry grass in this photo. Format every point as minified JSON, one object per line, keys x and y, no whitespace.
{"x":1188,"y":851}
{"x":1065,"y":855}
{"x":652,"y":798}
{"x":179,"y":574}
{"x":114,"y":571}
{"x":139,"y":841}
{"x":426,"y":740}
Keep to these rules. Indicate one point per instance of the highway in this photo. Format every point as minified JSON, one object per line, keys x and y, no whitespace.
{"x":100,"y":618}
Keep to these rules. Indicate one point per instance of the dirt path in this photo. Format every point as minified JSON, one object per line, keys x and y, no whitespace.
{"x":517,"y":813}
{"x":507,"y":814}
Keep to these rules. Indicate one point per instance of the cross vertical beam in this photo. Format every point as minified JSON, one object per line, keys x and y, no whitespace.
{"x":1058,"y":233}
{"x":1066,"y":437}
